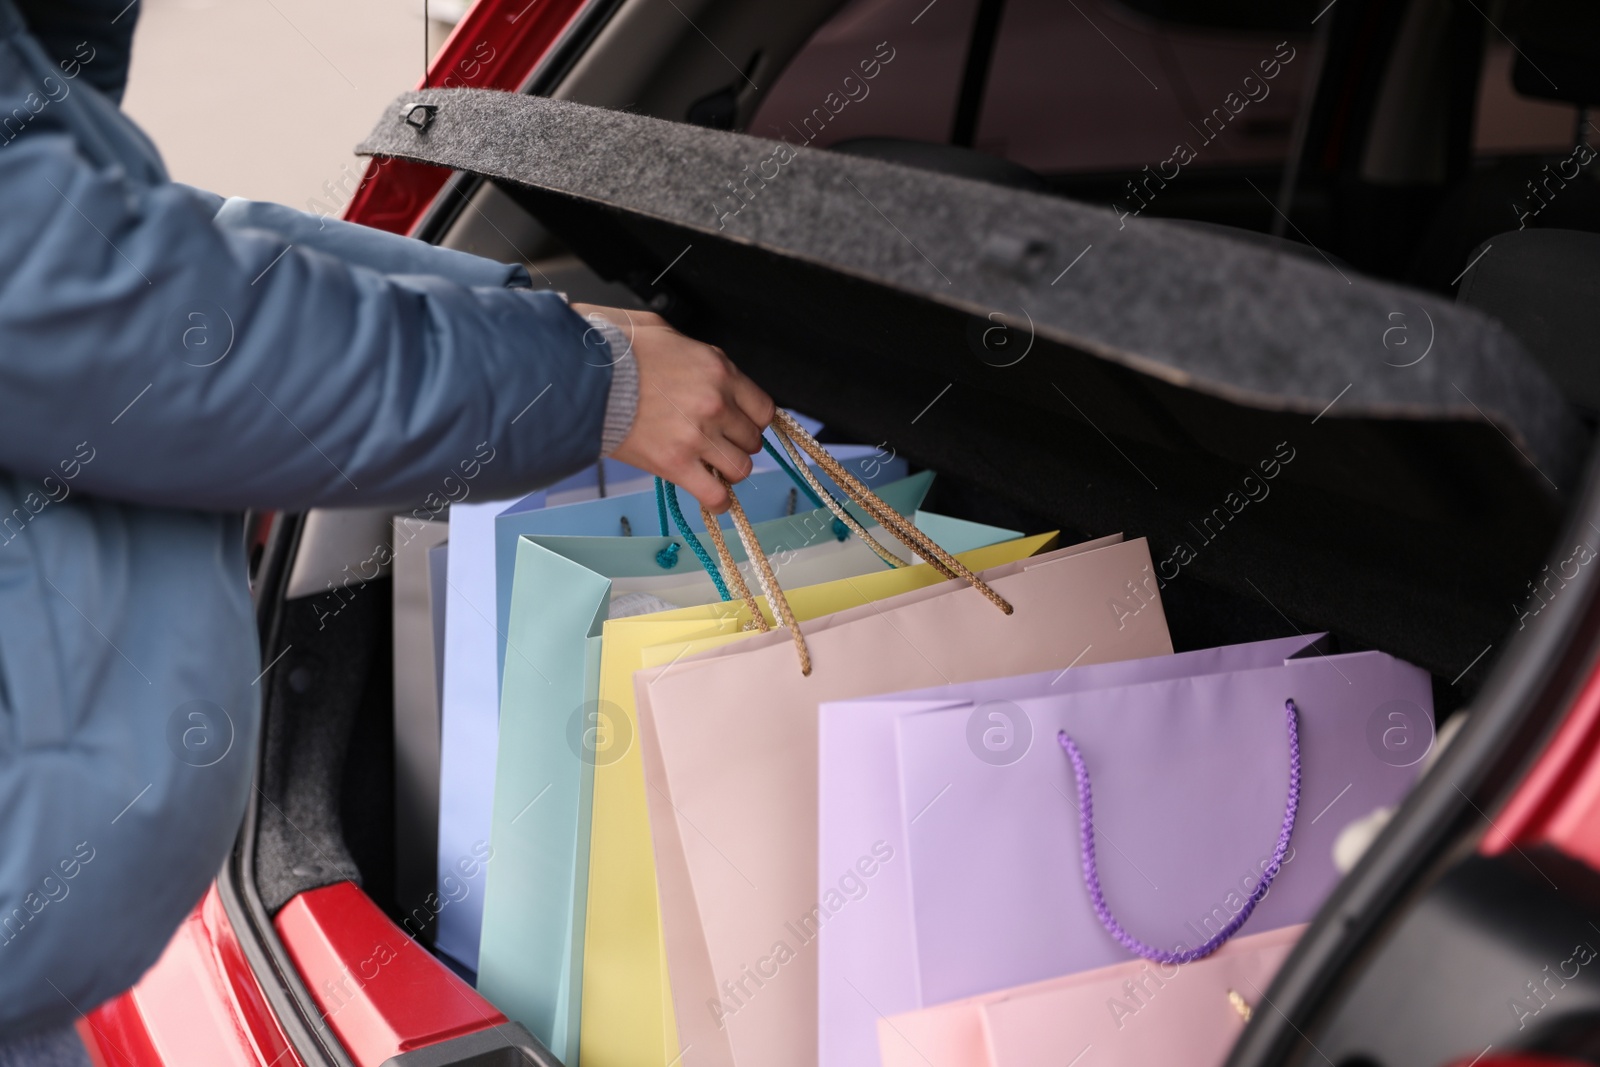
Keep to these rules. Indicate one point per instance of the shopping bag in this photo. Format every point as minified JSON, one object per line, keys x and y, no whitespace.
{"x":475,"y":627}
{"x":1131,"y":1014}
{"x":627,"y":1008}
{"x":867,"y":952}
{"x":468,"y":709}
{"x":730,"y":749}
{"x":469,"y":704}
{"x":438,"y":589}
{"x":563,"y":591}
{"x":532,"y":953}
{"x":416,"y":674}
{"x":1204,"y":792}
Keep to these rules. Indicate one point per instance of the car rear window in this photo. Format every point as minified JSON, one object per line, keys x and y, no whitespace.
{"x":1086,"y":86}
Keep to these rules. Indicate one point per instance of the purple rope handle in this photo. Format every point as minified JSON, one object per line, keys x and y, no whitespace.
{"x":1091,"y":871}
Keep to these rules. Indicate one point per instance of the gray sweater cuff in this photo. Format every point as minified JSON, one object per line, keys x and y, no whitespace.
{"x":623,"y":401}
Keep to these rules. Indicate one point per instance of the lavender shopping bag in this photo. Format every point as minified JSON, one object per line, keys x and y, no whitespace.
{"x":1191,"y":784}
{"x":866,"y":952}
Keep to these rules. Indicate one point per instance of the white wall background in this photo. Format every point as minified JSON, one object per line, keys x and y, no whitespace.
{"x":265,"y":98}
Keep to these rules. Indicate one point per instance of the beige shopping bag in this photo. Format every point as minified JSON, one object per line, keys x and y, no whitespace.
{"x":729,"y":742}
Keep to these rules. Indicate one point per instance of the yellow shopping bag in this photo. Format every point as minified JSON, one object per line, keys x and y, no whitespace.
{"x":627,"y":1013}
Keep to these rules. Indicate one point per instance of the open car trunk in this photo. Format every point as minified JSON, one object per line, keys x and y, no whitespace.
{"x":1295,"y":463}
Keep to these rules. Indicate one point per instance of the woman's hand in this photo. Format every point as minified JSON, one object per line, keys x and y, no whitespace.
{"x":695,"y":408}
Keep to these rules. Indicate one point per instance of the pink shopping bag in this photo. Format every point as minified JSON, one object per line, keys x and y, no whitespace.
{"x":1134,"y":1014}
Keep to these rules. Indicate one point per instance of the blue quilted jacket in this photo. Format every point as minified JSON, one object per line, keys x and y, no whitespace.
{"x":167,"y":360}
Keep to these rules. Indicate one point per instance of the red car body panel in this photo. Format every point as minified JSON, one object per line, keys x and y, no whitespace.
{"x":380,"y":991}
{"x":199,"y":1004}
{"x":1558,"y":803}
{"x":496,"y":46}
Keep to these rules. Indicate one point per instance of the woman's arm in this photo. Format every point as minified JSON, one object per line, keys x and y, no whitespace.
{"x":215,"y":368}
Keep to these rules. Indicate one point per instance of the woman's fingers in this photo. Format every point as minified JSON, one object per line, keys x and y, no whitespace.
{"x":753,"y":402}
{"x":731,"y":460}
{"x":741,"y":431}
{"x":704,"y":487}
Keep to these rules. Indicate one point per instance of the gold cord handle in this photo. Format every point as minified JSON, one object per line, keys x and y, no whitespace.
{"x":730,"y":569}
{"x":800,"y":444}
{"x":793,"y":436}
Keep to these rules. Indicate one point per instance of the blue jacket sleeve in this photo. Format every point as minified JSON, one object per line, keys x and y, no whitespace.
{"x":378,"y":249}
{"x":210,"y":366}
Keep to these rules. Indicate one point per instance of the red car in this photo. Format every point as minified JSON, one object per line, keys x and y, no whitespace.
{"x":1438,"y":147}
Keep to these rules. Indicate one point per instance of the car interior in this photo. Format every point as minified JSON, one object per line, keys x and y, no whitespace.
{"x":1430,"y":147}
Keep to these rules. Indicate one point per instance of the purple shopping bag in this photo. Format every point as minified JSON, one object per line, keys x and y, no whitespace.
{"x":867,"y":954}
{"x":1191,"y":783}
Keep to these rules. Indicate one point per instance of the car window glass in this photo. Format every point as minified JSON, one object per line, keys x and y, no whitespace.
{"x":1093,"y":86}
{"x":1509,"y":124}
{"x":1074,"y":88}
{"x":877,"y":68}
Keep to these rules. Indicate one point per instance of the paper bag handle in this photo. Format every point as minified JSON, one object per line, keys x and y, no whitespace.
{"x":802,"y":474}
{"x":735,"y":578}
{"x":794,"y":438}
{"x":1091,"y":871}
{"x":667,"y":502}
{"x":764,"y":574}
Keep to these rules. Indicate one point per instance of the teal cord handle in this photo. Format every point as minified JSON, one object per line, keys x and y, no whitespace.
{"x":840,"y":530}
{"x":661,"y":506}
{"x":667,"y":503}
{"x":667,"y":497}
{"x":667,"y":558}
